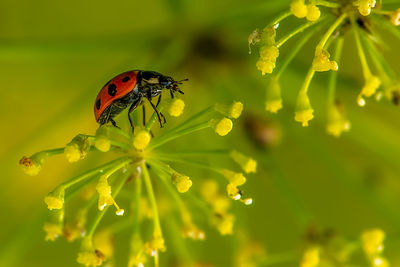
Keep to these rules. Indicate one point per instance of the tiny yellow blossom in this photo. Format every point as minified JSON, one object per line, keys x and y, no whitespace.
{"x":52,"y":231}
{"x":209,"y":190}
{"x":32,"y":165}
{"x":72,"y":153}
{"x":298,"y":8}
{"x":141,"y":140}
{"x":102,"y":143}
{"x":265,"y":66}
{"x":90,"y":258}
{"x":154,"y":245}
{"x":103,"y":241}
{"x":304,"y":111}
{"x":225,"y":224}
{"x":365,"y":6}
{"x":78,"y":148}
{"x":371,"y":85}
{"x":182,"y":182}
{"x":55,"y":199}
{"x":222,"y":127}
{"x":274,"y":99}
{"x":248,"y":165}
{"x":380,"y":262}
{"x":372,"y":241}
{"x":105,"y":197}
{"x":269,"y":53}
{"x":321,"y":61}
{"x":233,"y":192}
{"x":191,"y":231}
{"x":176,"y":107}
{"x":336,"y":121}
{"x":310,"y":258}
{"x":236,"y":110}
{"x":313,"y":13}
{"x":395,"y":17}
{"x":234,"y":178}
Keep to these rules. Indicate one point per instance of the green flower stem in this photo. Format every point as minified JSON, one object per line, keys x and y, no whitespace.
{"x":100,"y":169}
{"x":294,"y":52}
{"x":326,"y":3}
{"x":334,"y":74}
{"x":280,"y":18}
{"x":136,"y":207}
{"x":361,"y":54}
{"x":331,"y":30}
{"x":274,"y":259}
{"x":159,"y":158}
{"x":307,"y":80}
{"x":53,"y":152}
{"x":100,"y":214}
{"x":176,"y":134}
{"x":195,"y":153}
{"x":121,"y":132}
{"x":295,"y":32}
{"x":152,"y":200}
{"x":153,"y":118}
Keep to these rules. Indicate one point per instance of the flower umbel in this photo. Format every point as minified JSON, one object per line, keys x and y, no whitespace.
{"x":143,"y":158}
{"x":331,"y":20}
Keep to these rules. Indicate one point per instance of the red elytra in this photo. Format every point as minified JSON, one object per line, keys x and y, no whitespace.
{"x":116,"y":88}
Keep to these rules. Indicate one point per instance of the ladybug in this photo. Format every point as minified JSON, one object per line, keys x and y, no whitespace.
{"x":129,"y":89}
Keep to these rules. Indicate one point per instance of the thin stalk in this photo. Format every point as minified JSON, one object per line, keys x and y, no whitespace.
{"x":307,"y":80}
{"x":361,"y":54}
{"x":295,"y":32}
{"x":100,"y":214}
{"x":331,"y":30}
{"x":184,"y":161}
{"x":334,"y":74}
{"x":136,"y":215}
{"x":326,"y":3}
{"x":280,"y":18}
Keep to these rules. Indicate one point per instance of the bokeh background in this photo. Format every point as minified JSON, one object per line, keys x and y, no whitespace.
{"x":56,"y":55}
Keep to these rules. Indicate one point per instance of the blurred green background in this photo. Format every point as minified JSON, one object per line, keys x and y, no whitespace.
{"x":56,"y":55}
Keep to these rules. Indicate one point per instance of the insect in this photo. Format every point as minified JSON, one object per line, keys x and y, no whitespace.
{"x":129,"y":89}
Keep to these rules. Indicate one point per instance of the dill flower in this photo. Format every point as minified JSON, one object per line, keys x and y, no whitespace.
{"x":141,"y":159}
{"x":336,"y":120}
{"x":372,"y":241}
{"x":329,"y":21}
{"x":310,"y":258}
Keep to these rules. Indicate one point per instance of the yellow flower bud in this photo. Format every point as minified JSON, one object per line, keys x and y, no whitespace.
{"x":380,"y":262}
{"x":248,"y":165}
{"x":52,"y":231}
{"x":321,"y":61}
{"x":87,"y":255}
{"x":103,"y":241}
{"x":237,"y":179}
{"x":154,"y":245}
{"x":191,"y":231}
{"x":372,"y":241}
{"x":233,"y":192}
{"x":269,"y":53}
{"x":232,"y":111}
{"x":225,"y":225}
{"x":336,"y":121}
{"x":105,"y":197}
{"x":298,"y":8}
{"x":141,"y":140}
{"x":77,"y":149}
{"x":102,"y":143}
{"x":365,"y":6}
{"x":176,"y":107}
{"x":265,"y":66}
{"x":221,"y":127}
{"x":55,"y":199}
{"x":304,"y":111}
{"x":395,"y":17}
{"x":182,"y":182}
{"x":313,"y":13}
{"x":33,"y":164}
{"x":310,"y":258}
{"x":371,"y":85}
{"x":72,"y":153}
{"x":209,"y":190}
{"x":274,"y":99}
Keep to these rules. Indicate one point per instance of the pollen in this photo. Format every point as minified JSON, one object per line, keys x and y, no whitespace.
{"x":304,"y":111}
{"x":267,"y":61}
{"x":176,"y":107}
{"x":222,"y":127}
{"x":248,"y":165}
{"x":233,"y":191}
{"x":141,"y":140}
{"x":72,"y":153}
{"x":52,"y":231}
{"x":182,"y":182}
{"x":321,"y":61}
{"x":298,"y":8}
{"x":30,"y":166}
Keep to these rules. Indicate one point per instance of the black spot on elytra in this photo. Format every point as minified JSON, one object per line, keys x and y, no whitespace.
{"x":107,"y":83}
{"x":98,"y":103}
{"x":112,"y":89}
{"x":126,"y":79}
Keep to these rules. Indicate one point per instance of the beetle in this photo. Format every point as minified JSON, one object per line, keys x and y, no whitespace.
{"x":128,"y":89}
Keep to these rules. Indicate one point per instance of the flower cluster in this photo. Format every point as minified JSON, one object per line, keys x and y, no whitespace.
{"x":143,"y":163}
{"x":331,"y":19}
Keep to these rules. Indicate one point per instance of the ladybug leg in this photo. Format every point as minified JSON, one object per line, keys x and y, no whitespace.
{"x":172,"y":94}
{"x":158,"y":101}
{"x":156,"y":110}
{"x":114,"y":123}
{"x":144,"y":115}
{"x":132,"y":108}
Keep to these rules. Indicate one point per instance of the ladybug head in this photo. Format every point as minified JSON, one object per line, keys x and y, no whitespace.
{"x":171,"y":84}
